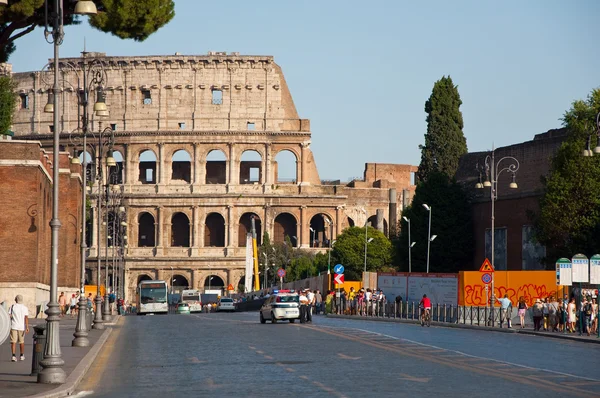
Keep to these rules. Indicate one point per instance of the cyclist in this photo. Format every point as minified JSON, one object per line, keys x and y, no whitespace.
{"x":425,"y":304}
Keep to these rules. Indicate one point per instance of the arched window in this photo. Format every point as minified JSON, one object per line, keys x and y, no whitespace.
{"x":181,"y":166}
{"x":147,"y":167}
{"x":216,"y":167}
{"x":285,"y":228}
{"x":320,"y":230}
{"x":180,"y":230}
{"x":142,"y":278}
{"x":115,"y":173}
{"x":146,"y":230}
{"x":250,"y":168}
{"x":213,"y":282}
{"x":245,"y":228}
{"x":285,"y":167}
{"x":214,"y":233}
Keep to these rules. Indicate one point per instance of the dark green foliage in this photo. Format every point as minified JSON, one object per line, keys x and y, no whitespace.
{"x":8,"y":101}
{"x":126,"y":19}
{"x":445,"y":142}
{"x":569,"y":218}
{"x":451,"y":221}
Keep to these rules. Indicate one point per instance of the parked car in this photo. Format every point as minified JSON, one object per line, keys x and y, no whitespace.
{"x":225,"y":304}
{"x":282,"y":305}
{"x":183,"y":308}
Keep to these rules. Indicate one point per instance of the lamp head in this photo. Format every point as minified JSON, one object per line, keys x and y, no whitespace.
{"x":102,"y":113}
{"x":412,"y":244}
{"x":406,"y":218}
{"x":49,"y":108}
{"x":311,"y":230}
{"x":586,"y":152}
{"x":370,"y":240}
{"x":75,"y":160}
{"x":426,"y":207}
{"x":433,"y":237}
{"x":487,"y":183}
{"x":513,"y":184}
{"x":110,"y":161}
{"x":100,"y":104}
{"x":478,"y":185}
{"x":84,"y":7}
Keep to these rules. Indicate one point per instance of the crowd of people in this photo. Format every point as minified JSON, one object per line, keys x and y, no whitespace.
{"x":563,"y":315}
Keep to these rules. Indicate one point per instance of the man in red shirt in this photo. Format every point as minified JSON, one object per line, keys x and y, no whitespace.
{"x":425,"y":304}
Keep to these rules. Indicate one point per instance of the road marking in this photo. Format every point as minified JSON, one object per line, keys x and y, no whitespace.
{"x":413,"y":378}
{"x":291,"y":370}
{"x":195,"y":360}
{"x":344,"y":356}
{"x":82,"y":394}
{"x":328,"y":389}
{"x":268,"y":357}
{"x":260,"y":352}
{"x":252,"y":348}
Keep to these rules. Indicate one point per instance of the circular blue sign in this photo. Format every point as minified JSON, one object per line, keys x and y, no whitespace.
{"x":486,"y":278}
{"x":338,"y":269}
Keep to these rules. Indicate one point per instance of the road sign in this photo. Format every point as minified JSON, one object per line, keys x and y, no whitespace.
{"x":565,"y":275}
{"x":580,"y":268}
{"x":338,"y":269}
{"x":595,"y":269}
{"x":281,"y":272}
{"x":338,"y":279}
{"x":486,"y":266}
{"x":230,"y":287}
{"x":486,"y":278}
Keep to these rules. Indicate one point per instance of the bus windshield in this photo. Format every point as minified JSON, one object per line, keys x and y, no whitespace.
{"x":153,"y":295}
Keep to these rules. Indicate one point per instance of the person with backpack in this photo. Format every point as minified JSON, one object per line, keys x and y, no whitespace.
{"x":19,"y":325}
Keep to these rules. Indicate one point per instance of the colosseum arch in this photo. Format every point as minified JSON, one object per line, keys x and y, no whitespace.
{"x":320,"y":230}
{"x":213,"y":282}
{"x":147,"y":167}
{"x":179,"y":283}
{"x":115,"y":173}
{"x":373,"y":223}
{"x":251,"y":167}
{"x":245,"y":227}
{"x":146,"y":230}
{"x":214,"y":232}
{"x":180,"y":230}
{"x":285,"y":225}
{"x":285,"y":167}
{"x":143,"y":277}
{"x":216,"y":167}
{"x":181,"y":166}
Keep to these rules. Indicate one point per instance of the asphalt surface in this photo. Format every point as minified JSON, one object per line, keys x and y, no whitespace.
{"x":234,"y":355}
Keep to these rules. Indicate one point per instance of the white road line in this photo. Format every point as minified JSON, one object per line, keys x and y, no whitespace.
{"x":472,"y":356}
{"x":83,"y":394}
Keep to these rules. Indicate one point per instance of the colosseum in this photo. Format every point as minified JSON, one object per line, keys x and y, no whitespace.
{"x":203,"y":144}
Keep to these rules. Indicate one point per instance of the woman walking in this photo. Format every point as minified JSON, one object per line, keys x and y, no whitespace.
{"x":572,"y":317}
{"x":522,"y":310}
{"x":594,"y":327}
{"x":538,"y":314}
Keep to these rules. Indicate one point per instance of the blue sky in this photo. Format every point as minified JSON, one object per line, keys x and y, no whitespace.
{"x":362,"y":71}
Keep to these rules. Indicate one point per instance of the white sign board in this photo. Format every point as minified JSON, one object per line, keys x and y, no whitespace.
{"x":393,"y":285}
{"x":580,"y":268}
{"x":566,"y":274}
{"x":440,"y":288}
{"x":595,"y":270}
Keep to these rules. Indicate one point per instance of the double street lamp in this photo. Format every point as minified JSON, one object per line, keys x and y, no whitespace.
{"x":430,"y":238}
{"x":410,"y":245}
{"x":492,"y":170}
{"x":52,"y":372}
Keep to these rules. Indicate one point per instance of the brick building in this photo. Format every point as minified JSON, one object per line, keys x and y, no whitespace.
{"x":514,"y":247}
{"x":25,"y":236}
{"x":203,"y":144}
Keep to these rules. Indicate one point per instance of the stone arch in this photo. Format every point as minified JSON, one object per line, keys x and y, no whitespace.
{"x":216,"y":167}
{"x":147,"y":167}
{"x":178,"y":283}
{"x":373,"y":221}
{"x":115,"y":173}
{"x":320,"y":230}
{"x":350,"y":222}
{"x":143,"y":277}
{"x":245,"y":227}
{"x":251,"y":171}
{"x":181,"y":166}
{"x":180,"y":230}
{"x":214,"y":282}
{"x":90,"y":171}
{"x":285,"y":225}
{"x":285,"y":167}
{"x":214,"y":231}
{"x":146,"y":230}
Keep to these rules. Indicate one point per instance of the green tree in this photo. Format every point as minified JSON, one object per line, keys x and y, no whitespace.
{"x":126,"y":19}
{"x":8,"y":101}
{"x":451,"y":221}
{"x":349,"y":250}
{"x":445,"y":142}
{"x":568,"y":221}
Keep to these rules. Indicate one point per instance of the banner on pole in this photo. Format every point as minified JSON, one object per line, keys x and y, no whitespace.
{"x":581,"y":268}
{"x":249,"y":264}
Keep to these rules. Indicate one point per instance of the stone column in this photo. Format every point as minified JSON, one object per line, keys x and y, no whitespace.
{"x":339,"y":218}
{"x":196,"y":160}
{"x":196,"y":279}
{"x":233,"y":176}
{"x":201,"y":227}
{"x":303,"y":159}
{"x":267,"y":170}
{"x":161,"y":164}
{"x":265,"y":222}
{"x":230,"y":225}
{"x":379,"y":218}
{"x":195,"y":233}
{"x":302,"y":230}
{"x":159,"y":231}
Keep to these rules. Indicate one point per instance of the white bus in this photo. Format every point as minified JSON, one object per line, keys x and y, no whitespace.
{"x":192,"y":298}
{"x":152,"y":298}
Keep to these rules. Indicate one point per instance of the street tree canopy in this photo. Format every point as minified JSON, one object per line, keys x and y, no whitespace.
{"x":349,"y":250}
{"x":568,"y":221}
{"x":445,"y":142}
{"x":8,"y":100}
{"x":126,"y":19}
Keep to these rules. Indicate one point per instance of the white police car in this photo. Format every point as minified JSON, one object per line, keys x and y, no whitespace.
{"x":282,"y":305}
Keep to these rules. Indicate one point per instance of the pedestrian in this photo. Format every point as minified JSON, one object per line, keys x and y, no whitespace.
{"x":318,"y":302}
{"x":303,"y":306}
{"x":343,"y":300}
{"x":572,"y":316}
{"x":553,"y":317}
{"x":62,"y":302}
{"x":538,"y":314}
{"x":328,"y":302}
{"x":522,"y":306}
{"x":311,"y":302}
{"x":398,"y":300}
{"x":352,"y":301}
{"x":19,"y":325}
{"x":594,"y":327}
{"x":73,"y":305}
{"x":505,"y":310}
{"x":585,"y":315}
{"x":546,"y":313}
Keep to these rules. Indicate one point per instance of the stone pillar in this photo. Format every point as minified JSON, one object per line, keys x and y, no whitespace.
{"x":379,"y":218}
{"x":392,"y":214}
{"x":201,"y":227}
{"x":229,"y":225}
{"x":159,"y":224}
{"x":268,"y":172}
{"x":303,"y":159}
{"x":161,"y":163}
{"x":265,"y":222}
{"x":233,"y":179}
{"x":196,"y":279}
{"x":302,"y":236}
{"x":196,"y":160}
{"x":195,"y":233}
{"x":339,"y":218}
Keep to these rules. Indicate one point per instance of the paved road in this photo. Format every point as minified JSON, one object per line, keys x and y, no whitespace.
{"x":234,"y":355}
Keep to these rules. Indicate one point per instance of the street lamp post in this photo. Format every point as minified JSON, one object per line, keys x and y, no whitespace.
{"x":410,"y":245}
{"x":428,"y":208}
{"x":492,"y":171}
{"x":52,"y":372}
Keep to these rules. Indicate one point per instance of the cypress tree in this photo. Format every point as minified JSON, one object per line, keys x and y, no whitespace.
{"x":445,"y":142}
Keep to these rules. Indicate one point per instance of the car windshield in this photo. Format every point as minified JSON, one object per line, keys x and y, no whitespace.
{"x":288,"y":299}
{"x":153,"y":295}
{"x":226,"y":300}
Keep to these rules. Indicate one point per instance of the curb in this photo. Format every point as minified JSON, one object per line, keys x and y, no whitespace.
{"x":80,"y":370}
{"x":470,"y":327}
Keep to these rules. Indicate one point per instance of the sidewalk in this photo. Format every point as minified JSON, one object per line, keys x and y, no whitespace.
{"x":515,"y":329}
{"x":15,"y":379}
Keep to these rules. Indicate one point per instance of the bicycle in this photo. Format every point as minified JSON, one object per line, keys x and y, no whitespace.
{"x":425,"y":317}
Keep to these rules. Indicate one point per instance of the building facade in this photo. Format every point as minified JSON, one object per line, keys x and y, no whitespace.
{"x":203,"y":145}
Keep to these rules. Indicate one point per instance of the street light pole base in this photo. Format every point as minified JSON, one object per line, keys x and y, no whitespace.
{"x":106,"y":315}
{"x":98,"y":322}
{"x":52,"y":372}
{"x":81,"y":332}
